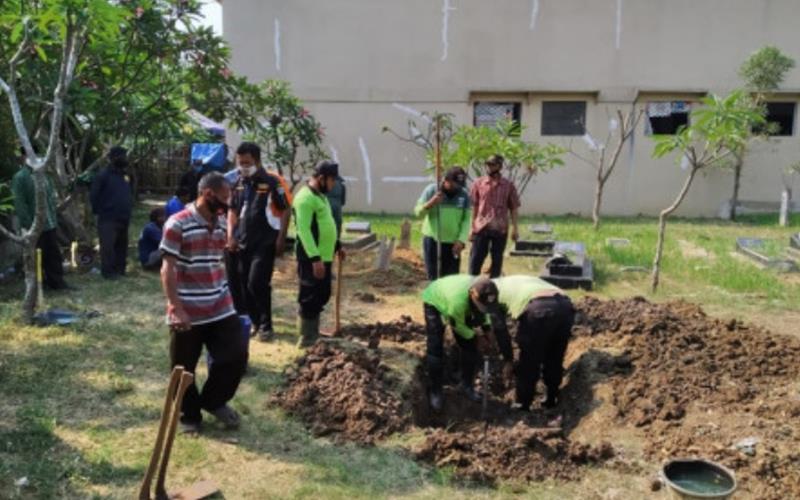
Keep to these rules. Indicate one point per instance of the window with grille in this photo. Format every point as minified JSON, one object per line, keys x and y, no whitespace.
{"x":563,"y":117}
{"x":487,"y":114}
{"x":780,"y":118}
{"x":666,"y":117}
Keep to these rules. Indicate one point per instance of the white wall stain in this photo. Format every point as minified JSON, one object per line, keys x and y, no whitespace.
{"x":334,"y":154}
{"x":348,"y":178}
{"x":411,"y":111}
{"x":619,"y":24}
{"x":534,"y":14}
{"x":277,"y":45}
{"x":446,"y":9}
{"x":367,"y":168}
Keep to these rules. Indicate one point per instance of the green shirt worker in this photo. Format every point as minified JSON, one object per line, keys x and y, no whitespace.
{"x":317,"y":242}
{"x":544,"y":316}
{"x":464,"y":302}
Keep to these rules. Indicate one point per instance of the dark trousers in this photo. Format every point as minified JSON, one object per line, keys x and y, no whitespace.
{"x":468,"y":349}
{"x":223,"y":341}
{"x":235,"y":282}
{"x":450,"y":263}
{"x":52,"y":260}
{"x":542,"y":335}
{"x":113,"y":237}
{"x":483,"y":243}
{"x":313,"y":293}
{"x":153,"y":261}
{"x":255,"y":281}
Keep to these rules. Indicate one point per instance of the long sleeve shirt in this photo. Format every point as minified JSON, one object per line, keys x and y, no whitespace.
{"x":24,"y":192}
{"x":111,"y":195}
{"x":316,"y":229}
{"x":450,"y":296}
{"x":447,"y":222}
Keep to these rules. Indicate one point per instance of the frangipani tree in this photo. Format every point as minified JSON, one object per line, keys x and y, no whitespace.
{"x":718,"y":129}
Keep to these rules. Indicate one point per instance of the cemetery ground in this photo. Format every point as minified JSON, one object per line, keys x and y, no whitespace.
{"x":81,"y":403}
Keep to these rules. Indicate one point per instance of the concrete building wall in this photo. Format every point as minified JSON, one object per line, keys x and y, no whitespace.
{"x":353,"y":60}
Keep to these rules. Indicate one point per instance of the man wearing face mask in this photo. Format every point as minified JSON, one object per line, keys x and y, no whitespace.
{"x":493,"y":199}
{"x":199,"y":305}
{"x":317,"y":242}
{"x":257,"y":223}
{"x":112,"y":203}
{"x":446,"y":223}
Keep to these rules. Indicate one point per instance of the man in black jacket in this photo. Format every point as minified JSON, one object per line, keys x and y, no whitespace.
{"x":112,"y":203}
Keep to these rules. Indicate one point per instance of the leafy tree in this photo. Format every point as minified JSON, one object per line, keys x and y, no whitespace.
{"x":290,"y":134}
{"x":603,"y":158}
{"x":717,"y":131}
{"x":763,"y":72}
{"x":470,"y":147}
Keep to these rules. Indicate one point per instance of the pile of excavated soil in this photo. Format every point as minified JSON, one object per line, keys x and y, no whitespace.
{"x":406,"y":271}
{"x":345,"y":393}
{"x":518,"y":453}
{"x":401,"y":331}
{"x":699,"y":386}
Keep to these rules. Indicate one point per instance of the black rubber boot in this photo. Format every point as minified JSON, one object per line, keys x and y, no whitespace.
{"x":435,"y":367}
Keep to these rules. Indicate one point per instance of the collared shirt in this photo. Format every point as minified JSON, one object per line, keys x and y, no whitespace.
{"x":199,"y":247}
{"x":259,"y":202}
{"x":493,"y":199}
{"x":447,"y":222}
{"x":24,"y":193}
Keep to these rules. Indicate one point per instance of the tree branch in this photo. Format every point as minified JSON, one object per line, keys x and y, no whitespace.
{"x":19,"y":240}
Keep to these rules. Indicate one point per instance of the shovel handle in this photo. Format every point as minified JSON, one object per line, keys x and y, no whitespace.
{"x":175,"y":413}
{"x":338,"y":298}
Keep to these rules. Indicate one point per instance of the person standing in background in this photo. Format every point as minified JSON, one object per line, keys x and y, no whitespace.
{"x":112,"y":203}
{"x":337,"y":197}
{"x":493,"y":199}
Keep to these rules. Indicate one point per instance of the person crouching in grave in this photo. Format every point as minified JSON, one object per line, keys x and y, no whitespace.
{"x":544,"y":316}
{"x":150,"y":240}
{"x":466,"y":304}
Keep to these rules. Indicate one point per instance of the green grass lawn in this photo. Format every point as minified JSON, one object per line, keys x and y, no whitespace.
{"x":80,"y":403}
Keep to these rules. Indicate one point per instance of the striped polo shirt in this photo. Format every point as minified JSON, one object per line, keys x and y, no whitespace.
{"x":199,"y":251}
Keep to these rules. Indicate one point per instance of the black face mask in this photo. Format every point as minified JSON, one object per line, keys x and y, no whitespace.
{"x":494,"y":174}
{"x":216,"y":206}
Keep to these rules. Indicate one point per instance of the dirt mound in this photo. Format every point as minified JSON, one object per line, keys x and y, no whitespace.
{"x":345,"y":393}
{"x":406,"y":271}
{"x":518,"y":453}
{"x":401,"y":330}
{"x":699,"y":385}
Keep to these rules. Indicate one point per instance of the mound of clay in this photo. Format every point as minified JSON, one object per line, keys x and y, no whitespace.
{"x":519,"y":453}
{"x":401,"y":330}
{"x":406,"y":271}
{"x":344,"y":393}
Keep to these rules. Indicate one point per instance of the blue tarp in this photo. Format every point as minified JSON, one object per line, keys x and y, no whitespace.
{"x":212,"y":155}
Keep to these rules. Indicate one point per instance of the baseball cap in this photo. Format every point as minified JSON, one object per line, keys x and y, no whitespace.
{"x":457,"y":175}
{"x":327,"y":168}
{"x":487,"y":295}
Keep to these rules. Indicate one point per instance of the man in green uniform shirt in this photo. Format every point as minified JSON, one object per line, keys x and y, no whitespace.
{"x":463,"y":302}
{"x":317,"y":241}
{"x":446,"y":223}
{"x":544,"y":316}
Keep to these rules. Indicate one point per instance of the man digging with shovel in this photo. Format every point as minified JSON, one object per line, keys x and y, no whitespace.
{"x":465,"y":303}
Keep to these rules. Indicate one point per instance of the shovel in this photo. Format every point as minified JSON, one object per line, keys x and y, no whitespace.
{"x":485,"y":387}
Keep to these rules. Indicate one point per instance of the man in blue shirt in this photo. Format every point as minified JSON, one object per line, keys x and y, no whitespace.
{"x":177,"y":202}
{"x":112,"y":202}
{"x":150,"y":240}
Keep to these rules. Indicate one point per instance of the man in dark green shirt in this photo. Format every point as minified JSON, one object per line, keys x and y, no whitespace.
{"x":317,"y":242}
{"x":465,"y":303}
{"x":24,"y":194}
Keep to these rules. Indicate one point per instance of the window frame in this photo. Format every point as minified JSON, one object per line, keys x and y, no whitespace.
{"x":793,"y":122}
{"x":548,"y":133}
{"x":516,"y":110}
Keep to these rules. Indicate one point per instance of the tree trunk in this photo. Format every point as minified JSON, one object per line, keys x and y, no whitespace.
{"x":737,"y":181}
{"x":662,"y":226}
{"x":598,"y":200}
{"x":31,"y":286}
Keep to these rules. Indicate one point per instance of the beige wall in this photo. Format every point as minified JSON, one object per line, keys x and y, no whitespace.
{"x":350,"y":60}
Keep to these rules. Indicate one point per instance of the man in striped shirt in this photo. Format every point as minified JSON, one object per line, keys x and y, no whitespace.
{"x":199,"y":305}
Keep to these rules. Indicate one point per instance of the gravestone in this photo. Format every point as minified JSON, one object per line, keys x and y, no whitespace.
{"x":405,"y":235}
{"x":754,"y":248}
{"x":361,"y":227}
{"x":541,"y":229}
{"x":618,"y":242}
{"x":529,"y":248}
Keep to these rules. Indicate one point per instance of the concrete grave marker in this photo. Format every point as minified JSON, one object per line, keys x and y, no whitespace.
{"x":362,"y":227}
{"x":541,"y":229}
{"x":756,"y":250}
{"x":618,"y":242}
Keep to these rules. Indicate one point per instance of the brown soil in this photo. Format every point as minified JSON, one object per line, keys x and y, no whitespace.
{"x":700,"y":385}
{"x":346,"y":393}
{"x":520,"y":453}
{"x":407,"y":271}
{"x":666,"y":375}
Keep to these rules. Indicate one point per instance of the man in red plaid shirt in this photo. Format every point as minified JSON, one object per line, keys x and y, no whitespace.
{"x":493,"y":199}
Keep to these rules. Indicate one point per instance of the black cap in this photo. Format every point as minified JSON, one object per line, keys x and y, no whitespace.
{"x":495,"y":160}
{"x":457,"y":175}
{"x":487,"y":295}
{"x":117,"y":152}
{"x":326,"y":168}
